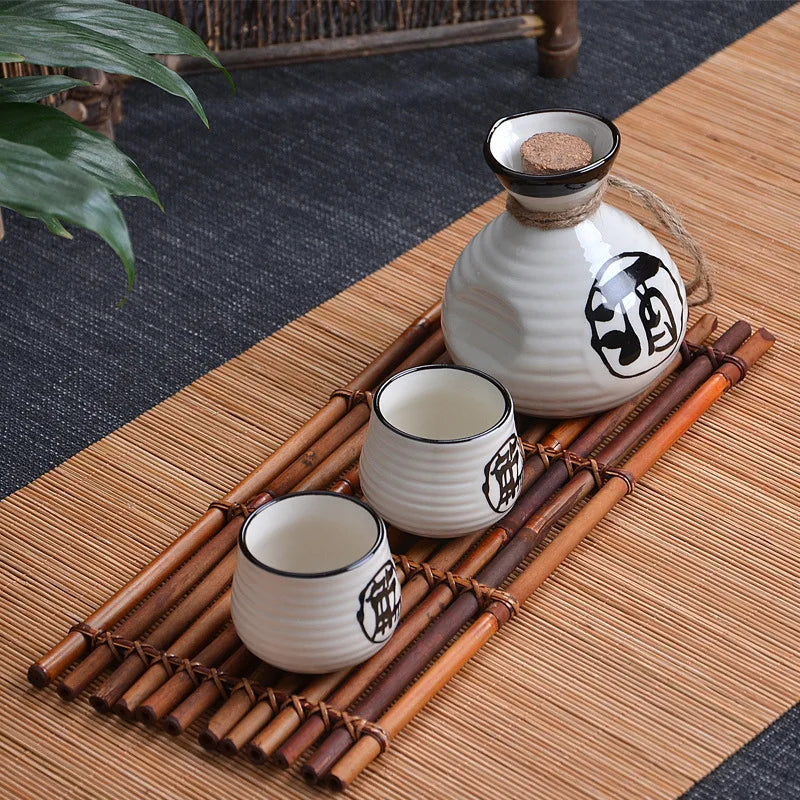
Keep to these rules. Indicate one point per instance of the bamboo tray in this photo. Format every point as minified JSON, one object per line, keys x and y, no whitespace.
{"x":177,"y":659}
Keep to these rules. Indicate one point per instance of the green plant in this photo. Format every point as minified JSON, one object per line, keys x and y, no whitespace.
{"x":53,"y":168}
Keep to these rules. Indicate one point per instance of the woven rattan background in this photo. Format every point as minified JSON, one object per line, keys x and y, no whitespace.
{"x":668,"y":639}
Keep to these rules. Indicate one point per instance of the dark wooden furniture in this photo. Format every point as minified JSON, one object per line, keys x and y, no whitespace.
{"x":252,"y":33}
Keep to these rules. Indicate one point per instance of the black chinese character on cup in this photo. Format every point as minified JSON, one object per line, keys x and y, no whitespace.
{"x":503,"y":476}
{"x":635,"y":310}
{"x":379,"y":606}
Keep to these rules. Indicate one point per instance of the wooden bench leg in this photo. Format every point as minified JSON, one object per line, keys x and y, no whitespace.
{"x":558,"y":45}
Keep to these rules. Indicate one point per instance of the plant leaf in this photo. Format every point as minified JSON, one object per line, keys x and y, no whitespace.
{"x":67,"y":140}
{"x":35,"y":87}
{"x":46,"y":41}
{"x":142,"y":29}
{"x":7,"y":58}
{"x":53,"y":224}
{"x":36,"y":184}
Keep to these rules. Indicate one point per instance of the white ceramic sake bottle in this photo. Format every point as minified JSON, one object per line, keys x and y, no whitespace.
{"x":573,"y":320}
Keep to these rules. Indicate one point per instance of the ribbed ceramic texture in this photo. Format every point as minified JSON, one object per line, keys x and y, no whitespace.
{"x":305,"y":624}
{"x":514,"y":307}
{"x":430,"y":489}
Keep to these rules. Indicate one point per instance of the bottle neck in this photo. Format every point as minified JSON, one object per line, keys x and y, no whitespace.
{"x":555,"y":205}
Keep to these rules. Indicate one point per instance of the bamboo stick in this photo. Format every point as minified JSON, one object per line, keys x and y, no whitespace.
{"x":507,"y":559}
{"x":337,"y":451}
{"x":202,"y":698}
{"x":418,"y":695}
{"x":74,"y":645}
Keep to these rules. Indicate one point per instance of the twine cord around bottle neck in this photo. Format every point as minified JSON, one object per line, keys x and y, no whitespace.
{"x":669,"y":219}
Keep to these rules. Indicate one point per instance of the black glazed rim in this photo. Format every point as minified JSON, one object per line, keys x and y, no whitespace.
{"x":559,"y":183}
{"x":503,"y":391}
{"x":328,"y":573}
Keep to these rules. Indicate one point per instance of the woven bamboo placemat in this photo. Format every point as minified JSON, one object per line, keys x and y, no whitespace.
{"x":665,"y":642}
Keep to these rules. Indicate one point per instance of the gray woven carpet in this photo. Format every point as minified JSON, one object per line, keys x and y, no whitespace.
{"x":311,"y":177}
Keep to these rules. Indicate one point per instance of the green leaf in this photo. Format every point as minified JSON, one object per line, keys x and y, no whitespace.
{"x":53,"y":224}
{"x":36,"y":184}
{"x":7,"y":58}
{"x":45,"y":41}
{"x":67,"y":140}
{"x":142,"y":29}
{"x":35,"y":87}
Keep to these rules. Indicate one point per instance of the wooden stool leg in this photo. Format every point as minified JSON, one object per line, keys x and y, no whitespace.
{"x":559,"y":44}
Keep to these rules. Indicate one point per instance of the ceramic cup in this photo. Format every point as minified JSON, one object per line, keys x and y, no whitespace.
{"x":315,"y":588}
{"x":441,"y":457}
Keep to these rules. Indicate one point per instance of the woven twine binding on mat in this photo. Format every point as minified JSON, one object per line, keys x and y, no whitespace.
{"x":717,"y":358}
{"x":353,"y":397}
{"x":669,"y":219}
{"x":575,"y":462}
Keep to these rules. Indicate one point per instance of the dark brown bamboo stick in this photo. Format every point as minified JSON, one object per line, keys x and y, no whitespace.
{"x":110,"y":693}
{"x":180,"y":685}
{"x":192,"y":641}
{"x":517,"y":549}
{"x":264,"y":743}
{"x":537,"y":489}
{"x":74,"y":645}
{"x":403,"y":711}
{"x":334,"y":448}
{"x":205,"y":695}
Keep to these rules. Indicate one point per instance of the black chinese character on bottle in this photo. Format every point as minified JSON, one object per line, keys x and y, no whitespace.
{"x":636,"y":312}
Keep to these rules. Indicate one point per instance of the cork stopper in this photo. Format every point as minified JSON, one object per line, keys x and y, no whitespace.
{"x":549,"y":153}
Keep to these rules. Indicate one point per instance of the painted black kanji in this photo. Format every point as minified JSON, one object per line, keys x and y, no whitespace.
{"x":379,"y":604}
{"x":503,"y":476}
{"x":631,"y":312}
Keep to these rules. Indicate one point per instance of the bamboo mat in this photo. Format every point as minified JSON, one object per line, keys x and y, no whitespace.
{"x":667,"y":640}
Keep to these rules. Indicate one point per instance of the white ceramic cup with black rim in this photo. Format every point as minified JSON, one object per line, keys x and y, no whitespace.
{"x":441,"y":456}
{"x":315,"y":588}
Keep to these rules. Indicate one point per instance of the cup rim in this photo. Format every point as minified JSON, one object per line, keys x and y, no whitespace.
{"x":507,"y":410}
{"x":379,"y":538}
{"x":571,"y":180}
